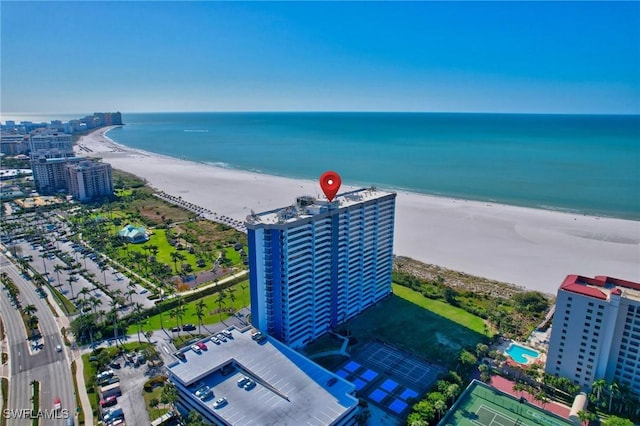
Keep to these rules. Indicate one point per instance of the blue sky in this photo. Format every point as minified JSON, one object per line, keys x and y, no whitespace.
{"x":542,"y":57}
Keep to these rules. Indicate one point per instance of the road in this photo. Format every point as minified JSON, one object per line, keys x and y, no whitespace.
{"x":49,"y":367}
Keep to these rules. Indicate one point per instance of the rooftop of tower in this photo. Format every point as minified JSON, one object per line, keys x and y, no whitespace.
{"x":307,"y":206}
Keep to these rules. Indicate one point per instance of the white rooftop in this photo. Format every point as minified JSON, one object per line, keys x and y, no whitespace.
{"x":308,"y":206}
{"x":290,"y":389}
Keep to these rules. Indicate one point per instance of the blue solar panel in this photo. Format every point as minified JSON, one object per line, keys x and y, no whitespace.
{"x":351,"y":366}
{"x":408,"y":393}
{"x":389,"y":385}
{"x":397,"y":406}
{"x":369,"y":375}
{"x":378,"y":395}
{"x":359,"y":384}
{"x":342,"y":374}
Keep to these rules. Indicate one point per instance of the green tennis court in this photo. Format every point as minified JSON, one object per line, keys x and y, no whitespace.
{"x":482,"y":405}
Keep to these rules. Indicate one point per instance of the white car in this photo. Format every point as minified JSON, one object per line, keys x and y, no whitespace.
{"x":196,"y":349}
{"x":220,"y":403}
{"x":58,"y":348}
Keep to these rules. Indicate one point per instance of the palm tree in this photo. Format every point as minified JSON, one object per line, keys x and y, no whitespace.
{"x":614,"y":388}
{"x":85,"y":292}
{"x":452,"y":392}
{"x":154,"y":404}
{"x":441,"y":407}
{"x":200,"y":309}
{"x":114,"y":304}
{"x":44,"y":256}
{"x":70,"y":280}
{"x":29,"y":310}
{"x":176,"y":256}
{"x":169,"y":395}
{"x":138,"y":309}
{"x":95,"y":302}
{"x":597,"y":387}
{"x":220,"y":301}
{"x":244,"y":299}
{"x":57,"y":268}
{"x":232,"y":297}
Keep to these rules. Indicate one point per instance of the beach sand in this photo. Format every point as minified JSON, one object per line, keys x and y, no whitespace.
{"x":529,"y":247}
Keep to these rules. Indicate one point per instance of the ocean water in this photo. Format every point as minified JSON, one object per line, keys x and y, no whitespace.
{"x":581,"y":163}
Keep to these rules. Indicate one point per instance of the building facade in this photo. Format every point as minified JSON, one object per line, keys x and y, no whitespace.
{"x":316,"y":264}
{"x":89,"y":180}
{"x":14,"y":144}
{"x":596,"y":332}
{"x":48,"y":139}
{"x":49,"y":169}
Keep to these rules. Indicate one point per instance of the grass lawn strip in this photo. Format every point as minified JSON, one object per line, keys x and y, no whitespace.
{"x":77,"y":393}
{"x":161,"y":410}
{"x":212,"y":315}
{"x":35,"y":403}
{"x":443,"y":309}
{"x":4,"y":383}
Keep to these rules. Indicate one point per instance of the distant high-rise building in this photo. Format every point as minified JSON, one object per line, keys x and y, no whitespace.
{"x":316,"y":264}
{"x":14,"y":144}
{"x":89,"y":180}
{"x":47,"y":139}
{"x":596,"y":332}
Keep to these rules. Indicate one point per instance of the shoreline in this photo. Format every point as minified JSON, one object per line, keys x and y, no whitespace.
{"x":525,"y":246}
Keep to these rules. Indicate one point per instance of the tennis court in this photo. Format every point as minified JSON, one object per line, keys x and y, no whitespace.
{"x":482,"y":405}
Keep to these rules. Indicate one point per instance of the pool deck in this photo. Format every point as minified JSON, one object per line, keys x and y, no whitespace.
{"x":541,"y":358}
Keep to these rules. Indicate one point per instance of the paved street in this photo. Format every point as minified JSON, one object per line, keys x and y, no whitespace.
{"x":49,"y":367}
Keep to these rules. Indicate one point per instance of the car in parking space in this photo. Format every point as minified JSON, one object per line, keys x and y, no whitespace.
{"x":215,"y":340}
{"x":221,"y":337}
{"x":202,"y":346}
{"x":113,"y":415}
{"x":180,"y":356}
{"x":249,"y":385}
{"x":175,"y":329}
{"x":220,"y":403}
{"x":204,"y":392}
{"x":109,"y":401}
{"x":227,"y":334}
{"x":196,"y":349}
{"x":243,"y":381}
{"x":188,"y":327}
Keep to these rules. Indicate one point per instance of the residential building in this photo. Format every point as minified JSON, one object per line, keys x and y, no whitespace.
{"x":89,"y":180}
{"x":315,"y":264}
{"x":596,"y":331}
{"x":262,"y":381}
{"x":47,"y":139}
{"x":49,"y":169}
{"x":13,"y":143}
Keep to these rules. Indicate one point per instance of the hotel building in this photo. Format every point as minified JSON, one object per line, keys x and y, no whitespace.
{"x":47,"y":139}
{"x":89,"y":180}
{"x":315,"y":264}
{"x":596,"y":331}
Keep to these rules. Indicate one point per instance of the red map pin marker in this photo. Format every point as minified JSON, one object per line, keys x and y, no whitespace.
{"x":330,"y":183}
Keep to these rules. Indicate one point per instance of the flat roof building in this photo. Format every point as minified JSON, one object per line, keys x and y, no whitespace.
{"x":596,"y":331}
{"x":288,"y":388}
{"x":49,"y":169}
{"x":315,"y":264}
{"x":48,"y":139}
{"x":89,"y":180}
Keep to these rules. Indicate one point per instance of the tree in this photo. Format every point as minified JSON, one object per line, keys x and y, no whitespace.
{"x":220,"y":298}
{"x":200,"y":313}
{"x":244,"y":299}
{"x":617,"y":421}
{"x":138,"y":309}
{"x":441,"y":407}
{"x":598,"y":386}
{"x":531,"y":301}
{"x":232,"y":298}
{"x":585,"y":417}
{"x":177,"y":256}
{"x":57,"y":268}
{"x":614,"y":389}
{"x":195,"y":419}
{"x":452,"y":392}
{"x":169,"y":395}
{"x":467,"y":360}
{"x":70,"y":280}
{"x":425,"y":410}
{"x":154,"y":404}
{"x":29,"y":310}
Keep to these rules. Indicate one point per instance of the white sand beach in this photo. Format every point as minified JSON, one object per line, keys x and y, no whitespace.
{"x":528,"y":247}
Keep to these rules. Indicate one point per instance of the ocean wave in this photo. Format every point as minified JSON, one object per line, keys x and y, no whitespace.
{"x":196,"y":131}
{"x":220,"y":164}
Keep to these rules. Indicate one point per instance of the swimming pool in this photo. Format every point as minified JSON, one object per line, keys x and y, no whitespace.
{"x":517,"y":353}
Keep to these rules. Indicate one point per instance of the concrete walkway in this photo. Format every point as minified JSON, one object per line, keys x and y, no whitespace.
{"x":341,"y":351}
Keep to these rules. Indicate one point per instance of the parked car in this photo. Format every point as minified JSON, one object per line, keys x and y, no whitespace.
{"x":196,"y":349}
{"x":220,"y":403}
{"x":204,"y":392}
{"x":188,"y":327}
{"x":249,"y":385}
{"x":180,"y":355}
{"x":202,"y":346}
{"x":242,"y":381}
{"x":175,"y":329}
{"x":114,"y":364}
{"x":109,"y":401}
{"x":215,"y":340}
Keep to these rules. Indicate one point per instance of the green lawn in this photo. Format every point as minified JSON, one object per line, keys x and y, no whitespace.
{"x":406,"y":320}
{"x":154,"y":413}
{"x":457,"y":315}
{"x":211,"y":316}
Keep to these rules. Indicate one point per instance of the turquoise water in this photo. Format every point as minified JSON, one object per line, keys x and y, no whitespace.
{"x":588,"y":164}
{"x":517,"y":353}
